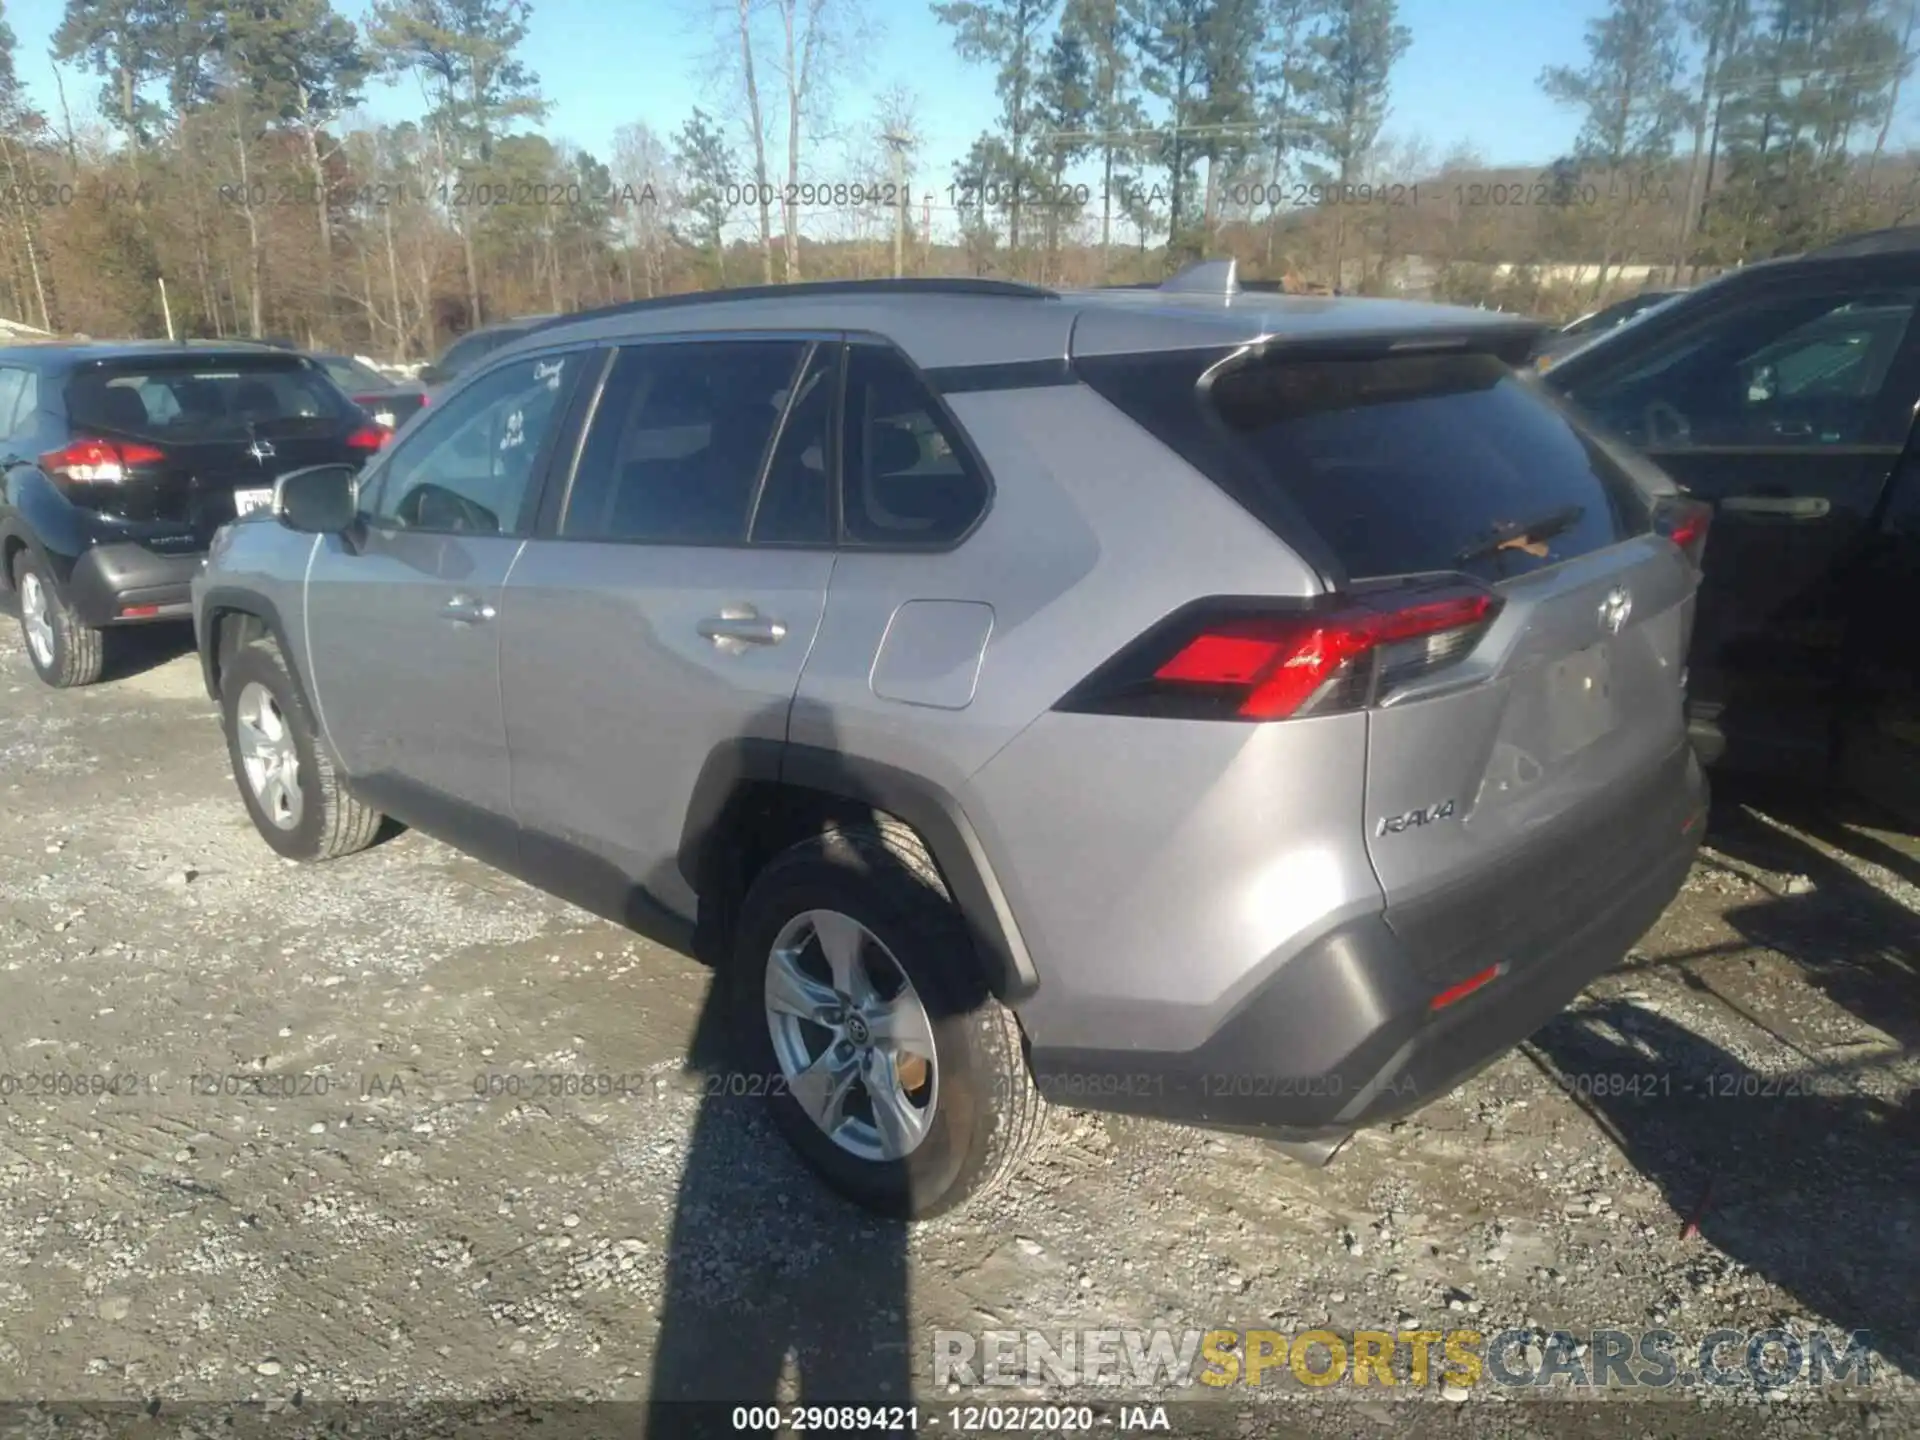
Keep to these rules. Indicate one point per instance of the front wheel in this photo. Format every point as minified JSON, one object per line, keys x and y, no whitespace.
{"x":895,"y":1074}
{"x":286,"y":781}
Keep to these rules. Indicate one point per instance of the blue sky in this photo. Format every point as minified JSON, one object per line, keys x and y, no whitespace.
{"x":1470,"y":76}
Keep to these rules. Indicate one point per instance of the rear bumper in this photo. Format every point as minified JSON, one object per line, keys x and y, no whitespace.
{"x":110,"y":579}
{"x":1364,"y":991}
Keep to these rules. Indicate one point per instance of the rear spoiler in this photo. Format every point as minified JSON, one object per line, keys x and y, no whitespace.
{"x":1513,"y":343}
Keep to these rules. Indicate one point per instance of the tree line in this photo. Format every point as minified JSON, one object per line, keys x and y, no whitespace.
{"x":233,"y":185}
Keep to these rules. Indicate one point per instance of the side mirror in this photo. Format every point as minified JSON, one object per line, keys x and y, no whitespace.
{"x":319,"y":500}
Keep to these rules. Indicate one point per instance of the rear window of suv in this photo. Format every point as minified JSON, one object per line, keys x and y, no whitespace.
{"x":1403,"y":464}
{"x":205,"y":398}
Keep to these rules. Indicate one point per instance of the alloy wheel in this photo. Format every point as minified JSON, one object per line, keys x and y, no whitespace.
{"x":36,"y":619}
{"x":268,"y":755}
{"x":851,"y":1035}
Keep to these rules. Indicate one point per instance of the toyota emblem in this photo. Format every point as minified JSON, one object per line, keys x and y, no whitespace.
{"x":1614,"y":610}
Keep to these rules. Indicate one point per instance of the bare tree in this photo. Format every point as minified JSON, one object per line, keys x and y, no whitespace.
{"x":813,"y":34}
{"x":644,"y":174}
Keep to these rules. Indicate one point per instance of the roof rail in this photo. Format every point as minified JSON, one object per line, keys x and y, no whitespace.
{"x":801,"y":290}
{"x":1871,"y":242}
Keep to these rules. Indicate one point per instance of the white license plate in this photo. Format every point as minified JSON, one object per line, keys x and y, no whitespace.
{"x":245,"y":502}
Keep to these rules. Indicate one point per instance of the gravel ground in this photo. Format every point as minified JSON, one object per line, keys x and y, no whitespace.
{"x":340,"y":1216}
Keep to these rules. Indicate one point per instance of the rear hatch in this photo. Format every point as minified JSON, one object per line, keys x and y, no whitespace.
{"x":1506,"y":603}
{"x":181,"y":443}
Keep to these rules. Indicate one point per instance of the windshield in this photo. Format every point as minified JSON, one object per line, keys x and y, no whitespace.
{"x":218,"y":398}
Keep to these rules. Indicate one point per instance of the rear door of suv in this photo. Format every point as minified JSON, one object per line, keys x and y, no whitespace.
{"x":668,"y":603}
{"x":1784,"y":399}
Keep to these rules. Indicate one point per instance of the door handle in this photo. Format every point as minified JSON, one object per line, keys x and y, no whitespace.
{"x":467,"y":610}
{"x":1790,"y":507}
{"x":734,"y":631}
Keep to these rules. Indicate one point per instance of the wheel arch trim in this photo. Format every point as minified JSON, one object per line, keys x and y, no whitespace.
{"x":735,"y":767}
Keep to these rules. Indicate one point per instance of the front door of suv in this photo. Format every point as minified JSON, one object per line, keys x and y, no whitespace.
{"x":668,"y":607}
{"x":1787,"y":406}
{"x":403,"y":623}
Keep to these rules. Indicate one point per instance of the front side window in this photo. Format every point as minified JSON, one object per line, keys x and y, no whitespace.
{"x":470,"y":467}
{"x":1796,"y":371}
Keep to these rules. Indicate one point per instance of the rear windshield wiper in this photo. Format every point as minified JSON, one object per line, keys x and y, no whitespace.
{"x":1529,"y":535}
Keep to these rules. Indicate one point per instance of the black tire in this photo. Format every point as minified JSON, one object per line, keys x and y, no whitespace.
{"x":988,"y":1113}
{"x":79,"y":651}
{"x":331,"y":823}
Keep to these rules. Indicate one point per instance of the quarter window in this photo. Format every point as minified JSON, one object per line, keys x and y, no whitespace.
{"x":907,"y":478}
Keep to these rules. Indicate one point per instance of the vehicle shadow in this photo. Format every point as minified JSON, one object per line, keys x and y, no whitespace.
{"x":1806,"y":1179}
{"x":778,"y":1291}
{"x":1856,"y":944}
{"x":135,"y":649}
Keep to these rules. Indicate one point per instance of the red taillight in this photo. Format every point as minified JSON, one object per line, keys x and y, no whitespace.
{"x":1246,"y":661}
{"x":1453,"y":994}
{"x":1685,"y":522}
{"x":369,"y":437}
{"x":98,"y":461}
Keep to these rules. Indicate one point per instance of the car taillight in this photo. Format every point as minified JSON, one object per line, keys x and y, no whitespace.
{"x":1684,"y":521}
{"x":94,"y":461}
{"x":1231,"y":659}
{"x":369,"y":437}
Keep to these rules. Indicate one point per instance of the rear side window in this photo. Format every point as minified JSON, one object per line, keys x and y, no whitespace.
{"x":680,"y":439}
{"x":205,"y":399}
{"x":1396,"y":465}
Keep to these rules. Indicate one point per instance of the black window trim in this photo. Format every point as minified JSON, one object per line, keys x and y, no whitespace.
{"x":531,"y":509}
{"x":970,"y":454}
{"x":562,"y":480}
{"x":831,"y":458}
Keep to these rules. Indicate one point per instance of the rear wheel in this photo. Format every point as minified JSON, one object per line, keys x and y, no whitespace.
{"x":894,"y":1073}
{"x":286,"y":781}
{"x":64,"y":652}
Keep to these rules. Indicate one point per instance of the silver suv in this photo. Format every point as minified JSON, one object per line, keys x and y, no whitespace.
{"x":1252,"y":711}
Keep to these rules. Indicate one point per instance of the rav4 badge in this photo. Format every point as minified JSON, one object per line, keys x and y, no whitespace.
{"x":1394,"y":824}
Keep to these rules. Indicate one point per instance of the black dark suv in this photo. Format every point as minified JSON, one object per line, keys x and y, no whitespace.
{"x":1784,"y":394}
{"x":121,"y":460}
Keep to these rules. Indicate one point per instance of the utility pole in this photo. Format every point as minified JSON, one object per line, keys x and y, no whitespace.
{"x":898,"y":142}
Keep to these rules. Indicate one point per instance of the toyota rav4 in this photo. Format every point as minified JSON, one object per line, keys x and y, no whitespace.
{"x":1253,"y":711}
